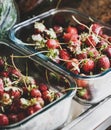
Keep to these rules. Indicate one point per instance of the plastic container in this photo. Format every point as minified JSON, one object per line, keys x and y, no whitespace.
{"x":97,"y":85}
{"x":8,"y":16}
{"x":53,"y":115}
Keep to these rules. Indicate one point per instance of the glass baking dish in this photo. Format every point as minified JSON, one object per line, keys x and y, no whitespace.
{"x":52,"y":115}
{"x":92,"y":88}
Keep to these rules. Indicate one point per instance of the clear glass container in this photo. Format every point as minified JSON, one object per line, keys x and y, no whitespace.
{"x":52,"y":115}
{"x":98,"y":85}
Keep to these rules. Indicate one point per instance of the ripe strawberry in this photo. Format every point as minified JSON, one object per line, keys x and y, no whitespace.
{"x":87,"y":66}
{"x":37,"y":107}
{"x":64,"y":54}
{"x":58,"y":29}
{"x":33,"y":109}
{"x":52,"y":44}
{"x":101,"y":45}
{"x":102,"y":64}
{"x":70,"y":37}
{"x":35,"y":92}
{"x":43,"y":87}
{"x":73,"y":65}
{"x":14,"y":74}
{"x":90,"y":41}
{"x":82,"y":82}
{"x":81,"y":55}
{"x":84,"y":94}
{"x":30,"y":110}
{"x":14,"y":94}
{"x":96,"y":28}
{"x":92,"y":52}
{"x":4,"y":120}
{"x":4,"y":73}
{"x":46,"y":96}
{"x":72,"y":30}
{"x":107,"y":51}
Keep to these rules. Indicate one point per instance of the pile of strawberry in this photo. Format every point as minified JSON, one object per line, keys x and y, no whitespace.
{"x":82,"y":49}
{"x":21,"y":96}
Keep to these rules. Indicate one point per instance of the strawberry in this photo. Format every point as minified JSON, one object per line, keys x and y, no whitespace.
{"x":107,"y":51}
{"x":35,"y":92}
{"x":72,"y":30}
{"x":43,"y":87}
{"x":84,"y":94}
{"x":81,"y":55}
{"x":52,"y":44}
{"x":73,"y":65}
{"x":101,"y":45}
{"x":82,"y":82}
{"x":92,"y":52}
{"x":70,"y":37}
{"x":3,"y":120}
{"x":90,"y":41}
{"x":58,"y":29}
{"x":96,"y":28}
{"x":64,"y":54}
{"x":102,"y":63}
{"x":87,"y":66}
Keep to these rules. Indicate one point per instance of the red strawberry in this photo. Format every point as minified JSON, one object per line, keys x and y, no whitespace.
{"x":92,"y":52}
{"x":14,"y":94}
{"x":70,"y":37}
{"x":72,"y":30}
{"x":102,"y":63}
{"x":64,"y":54}
{"x":73,"y":65}
{"x":81,"y":55}
{"x":82,"y":82}
{"x":90,"y":41}
{"x":37,"y":107}
{"x":58,"y":29}
{"x":101,"y":45}
{"x":84,"y":94}
{"x":96,"y":28}
{"x":35,"y":93}
{"x":43,"y":87}
{"x":46,"y":96}
{"x":4,"y":73}
{"x":52,"y":44}
{"x":4,"y":120}
{"x":87,"y":66}
{"x":107,"y":51}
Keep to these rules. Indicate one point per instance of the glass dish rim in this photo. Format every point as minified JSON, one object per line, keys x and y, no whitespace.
{"x":42,"y":56}
{"x":69,"y":94}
